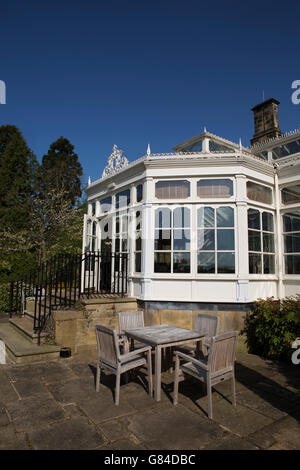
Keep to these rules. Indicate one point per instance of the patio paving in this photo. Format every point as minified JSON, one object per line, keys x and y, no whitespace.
{"x":55,"y":406}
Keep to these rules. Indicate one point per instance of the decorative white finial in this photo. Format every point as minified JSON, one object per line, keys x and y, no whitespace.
{"x":204,"y":130}
{"x":240,"y":143}
{"x":148,"y":150}
{"x":116,"y":161}
{"x":89,"y":181}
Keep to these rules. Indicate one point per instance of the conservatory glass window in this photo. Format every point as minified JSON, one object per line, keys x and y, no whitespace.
{"x":105,"y":204}
{"x":291,"y":236}
{"x":261,"y":243}
{"x":214,"y":188}
{"x":172,"y":240}
{"x":139,"y":193}
{"x":138,"y":242}
{"x":291,"y":195}
{"x":123,"y":199}
{"x":172,"y":189}
{"x":259,"y":193}
{"x":216,"y":244}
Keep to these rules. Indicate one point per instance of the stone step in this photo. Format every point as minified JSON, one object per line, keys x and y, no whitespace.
{"x":24,"y":326}
{"x":20,"y":350}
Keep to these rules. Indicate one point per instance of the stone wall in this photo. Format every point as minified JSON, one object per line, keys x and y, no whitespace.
{"x":76,"y":329}
{"x":228,"y":320}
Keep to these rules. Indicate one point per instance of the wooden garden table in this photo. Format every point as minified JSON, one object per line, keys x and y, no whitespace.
{"x":159,"y":337}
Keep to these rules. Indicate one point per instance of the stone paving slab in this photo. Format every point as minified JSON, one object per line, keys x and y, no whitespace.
{"x":175,"y":428}
{"x":72,"y":434}
{"x":29,"y":413}
{"x":55,"y":406}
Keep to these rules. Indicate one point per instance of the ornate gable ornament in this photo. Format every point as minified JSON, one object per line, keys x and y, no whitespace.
{"x":116,"y":161}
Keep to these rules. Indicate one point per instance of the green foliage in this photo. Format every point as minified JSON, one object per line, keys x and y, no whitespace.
{"x":16,"y":265}
{"x":39,"y":211}
{"x":18,"y":168}
{"x":4,"y":297}
{"x":61,"y":171}
{"x":272,"y":326}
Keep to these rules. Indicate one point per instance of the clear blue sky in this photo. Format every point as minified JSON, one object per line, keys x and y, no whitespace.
{"x":129,"y":73}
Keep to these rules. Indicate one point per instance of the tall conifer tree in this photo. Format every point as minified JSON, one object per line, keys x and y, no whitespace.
{"x":18,"y":168}
{"x":61,"y":171}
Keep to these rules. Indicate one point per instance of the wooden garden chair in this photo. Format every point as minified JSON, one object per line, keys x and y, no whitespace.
{"x":109,"y":358}
{"x":218,"y":366}
{"x":127,"y":321}
{"x":207,"y":325}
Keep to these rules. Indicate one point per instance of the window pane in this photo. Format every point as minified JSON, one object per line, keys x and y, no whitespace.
{"x":105,"y":204}
{"x":226,"y":263}
{"x":206,"y":262}
{"x":292,"y":264}
{"x":225,"y":217}
{"x":211,"y":188}
{"x":206,"y":217}
{"x":124,"y":244}
{"x":162,"y":240}
{"x":94,"y":228}
{"x":117,"y":225}
{"x":163,"y":218}
{"x":269,"y":264}
{"x":181,"y":239}
{"x":181,"y":217}
{"x":89,"y":227}
{"x":291,"y":195}
{"x":123,"y":199}
{"x":196,"y":147}
{"x":286,"y":149}
{"x":138,"y":220}
{"x":260,"y":193}
{"x":254,"y":240}
{"x":125,"y":223}
{"x":291,"y":221}
{"x":254,"y":263}
{"x":206,"y":239}
{"x":267,"y":222}
{"x":117,"y":245}
{"x":181,"y":263}
{"x":162,"y":262}
{"x":138,"y":262}
{"x":172,"y":189}
{"x":268,"y":243}
{"x":225,"y":239}
{"x":292,"y":243}
{"x":253,"y":219}
{"x":139,"y":193}
{"x":216,"y":147}
{"x":138,"y":244}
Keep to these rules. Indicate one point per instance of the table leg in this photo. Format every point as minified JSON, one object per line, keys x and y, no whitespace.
{"x":157,"y":387}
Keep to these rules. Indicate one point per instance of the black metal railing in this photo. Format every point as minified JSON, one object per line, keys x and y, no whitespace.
{"x":64,"y":280}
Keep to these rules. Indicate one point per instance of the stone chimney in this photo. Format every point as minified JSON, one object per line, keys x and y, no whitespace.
{"x":266,"y":121}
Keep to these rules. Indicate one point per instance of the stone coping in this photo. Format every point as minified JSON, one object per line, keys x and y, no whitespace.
{"x":111,"y":300}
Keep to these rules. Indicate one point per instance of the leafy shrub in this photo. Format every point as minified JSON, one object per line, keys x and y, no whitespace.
{"x":272,"y":326}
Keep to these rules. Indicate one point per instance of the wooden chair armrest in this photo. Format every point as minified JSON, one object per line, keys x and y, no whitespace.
{"x":132,"y":354}
{"x":191,"y":359}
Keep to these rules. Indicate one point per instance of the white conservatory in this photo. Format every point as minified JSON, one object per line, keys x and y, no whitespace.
{"x":211,"y":223}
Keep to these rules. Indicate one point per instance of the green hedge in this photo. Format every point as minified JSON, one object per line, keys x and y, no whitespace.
{"x":272,"y":326}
